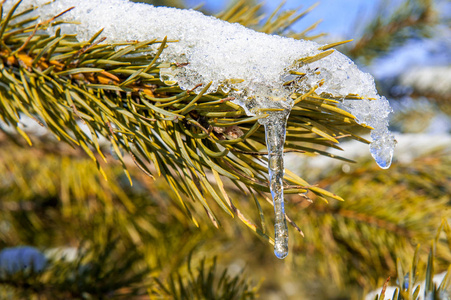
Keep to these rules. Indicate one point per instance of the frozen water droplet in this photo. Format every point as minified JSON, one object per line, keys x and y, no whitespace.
{"x":382,"y":148}
{"x":275,"y":127}
{"x":375,"y":114}
{"x":382,"y":159}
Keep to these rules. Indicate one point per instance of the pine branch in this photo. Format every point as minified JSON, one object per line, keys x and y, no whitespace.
{"x":408,"y":285}
{"x":52,"y":197}
{"x":116,"y":92}
{"x":383,"y":219}
{"x":205,"y":283}
{"x":411,"y":18}
{"x":278,"y":22}
{"x":59,"y":202}
{"x":123,"y":274}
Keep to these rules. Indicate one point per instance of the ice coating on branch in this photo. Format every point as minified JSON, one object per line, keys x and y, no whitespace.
{"x":342,"y":78}
{"x":251,"y":66}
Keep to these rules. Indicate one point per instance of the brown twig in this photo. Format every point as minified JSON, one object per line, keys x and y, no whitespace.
{"x":87,"y":48}
{"x":39,"y":25}
{"x":140,"y":167}
{"x":265,"y":152}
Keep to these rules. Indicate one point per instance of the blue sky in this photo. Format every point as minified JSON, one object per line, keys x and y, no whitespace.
{"x":339,"y":16}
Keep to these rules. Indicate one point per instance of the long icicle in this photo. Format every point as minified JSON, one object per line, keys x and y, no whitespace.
{"x":275,"y":129}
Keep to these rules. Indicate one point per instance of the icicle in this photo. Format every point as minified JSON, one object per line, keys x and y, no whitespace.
{"x":275,"y":127}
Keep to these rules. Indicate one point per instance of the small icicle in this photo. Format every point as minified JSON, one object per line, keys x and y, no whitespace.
{"x":275,"y":127}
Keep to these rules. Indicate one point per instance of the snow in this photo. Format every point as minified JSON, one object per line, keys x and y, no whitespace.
{"x":250,"y":66}
{"x":22,"y":258}
{"x":437,"y":279}
{"x":434,"y":51}
{"x":433,"y":79}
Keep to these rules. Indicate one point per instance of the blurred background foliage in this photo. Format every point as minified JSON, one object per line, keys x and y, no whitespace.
{"x":107,"y":239}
